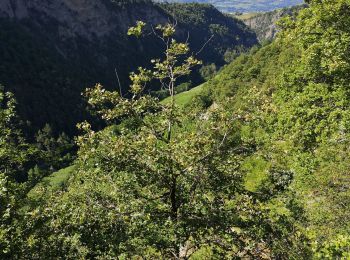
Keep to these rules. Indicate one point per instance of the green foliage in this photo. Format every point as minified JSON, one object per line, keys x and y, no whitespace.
{"x":231,"y":54}
{"x":162,"y":182}
{"x":15,"y":153}
{"x":208,"y":71}
{"x":57,"y":152}
{"x":338,"y":248}
{"x":137,"y":30}
{"x":293,"y":96}
{"x":22,"y":165}
{"x":255,"y":165}
{"x":15,"y":159}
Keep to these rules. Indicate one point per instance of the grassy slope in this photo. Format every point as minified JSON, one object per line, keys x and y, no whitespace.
{"x":53,"y":182}
{"x":185,"y":97}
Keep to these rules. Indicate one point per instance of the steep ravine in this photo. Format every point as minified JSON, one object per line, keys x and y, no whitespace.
{"x":50,"y":51}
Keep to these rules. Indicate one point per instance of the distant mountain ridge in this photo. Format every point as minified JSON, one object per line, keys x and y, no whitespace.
{"x":245,"y":6}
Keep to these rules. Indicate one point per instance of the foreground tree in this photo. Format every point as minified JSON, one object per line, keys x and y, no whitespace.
{"x":158,"y":182}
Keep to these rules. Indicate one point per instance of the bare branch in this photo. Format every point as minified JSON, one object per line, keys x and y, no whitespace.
{"x":119,"y":85}
{"x":158,"y":36}
{"x":223,"y":140}
{"x":188,"y":37}
{"x":205,"y":44}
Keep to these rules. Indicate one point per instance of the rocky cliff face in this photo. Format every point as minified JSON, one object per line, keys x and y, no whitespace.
{"x":51,"y":50}
{"x":264,"y":24}
{"x":13,"y":8}
{"x":87,"y":18}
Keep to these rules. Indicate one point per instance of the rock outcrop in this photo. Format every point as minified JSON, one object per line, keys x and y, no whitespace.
{"x":264,"y":24}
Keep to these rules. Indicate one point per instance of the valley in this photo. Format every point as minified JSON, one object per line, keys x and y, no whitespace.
{"x":49,"y":58}
{"x":132,"y":129}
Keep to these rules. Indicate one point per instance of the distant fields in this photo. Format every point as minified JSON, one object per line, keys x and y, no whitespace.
{"x":246,"y":16}
{"x":245,"y":6}
{"x":248,"y":6}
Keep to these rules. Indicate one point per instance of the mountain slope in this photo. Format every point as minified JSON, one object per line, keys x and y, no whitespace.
{"x":51,"y":51}
{"x":293,"y":95}
{"x":203,"y":20}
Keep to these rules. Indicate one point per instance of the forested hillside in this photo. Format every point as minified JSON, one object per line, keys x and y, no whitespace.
{"x":293,"y":96}
{"x":51,"y":51}
{"x":252,"y":164}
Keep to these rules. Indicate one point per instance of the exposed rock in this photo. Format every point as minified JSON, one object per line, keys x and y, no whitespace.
{"x":87,"y":18}
{"x":264,"y":24}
